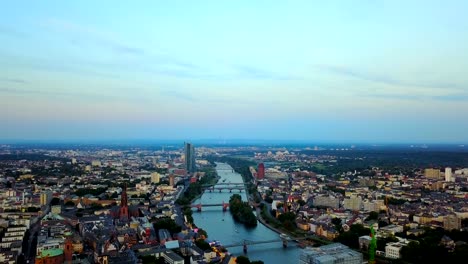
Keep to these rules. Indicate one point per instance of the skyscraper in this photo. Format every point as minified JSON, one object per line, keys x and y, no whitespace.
{"x":448,"y":174}
{"x":189,"y":158}
{"x":260,"y":171}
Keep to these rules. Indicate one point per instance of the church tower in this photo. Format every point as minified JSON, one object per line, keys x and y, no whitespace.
{"x":68,"y":249}
{"x":124,"y":215}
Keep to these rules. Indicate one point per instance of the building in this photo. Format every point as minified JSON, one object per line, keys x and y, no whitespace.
{"x":155,"y":177}
{"x":432,"y":173}
{"x":374,"y":206}
{"x":448,"y":175}
{"x":393,"y":249}
{"x":50,"y":256}
{"x":46,"y":197}
{"x":327,"y":201}
{"x":172,"y":258}
{"x":190,"y":158}
{"x":452,"y":222}
{"x":96,"y":163}
{"x":56,"y":209}
{"x":261,"y":171}
{"x":353,"y":203}
{"x":124,"y":215}
{"x":171,"y":180}
{"x":335,"y":253}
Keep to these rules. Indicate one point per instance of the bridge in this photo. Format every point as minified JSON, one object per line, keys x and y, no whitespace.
{"x":283,"y":238}
{"x":224,"y":186}
{"x":200,"y":206}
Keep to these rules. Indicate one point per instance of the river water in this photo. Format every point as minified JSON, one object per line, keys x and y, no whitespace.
{"x":221,"y":226}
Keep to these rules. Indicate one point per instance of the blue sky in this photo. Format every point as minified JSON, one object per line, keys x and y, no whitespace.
{"x":358,"y":71}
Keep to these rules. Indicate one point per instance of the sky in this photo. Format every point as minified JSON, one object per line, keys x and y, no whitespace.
{"x":320,"y":71}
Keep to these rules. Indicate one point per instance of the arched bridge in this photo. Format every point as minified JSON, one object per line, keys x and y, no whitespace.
{"x":283,"y":238}
{"x":199,"y":206}
{"x":224,"y":186}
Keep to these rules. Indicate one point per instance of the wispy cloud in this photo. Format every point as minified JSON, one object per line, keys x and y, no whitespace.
{"x":249,"y":72}
{"x":449,"y":97}
{"x":12,"y":80}
{"x":11,"y":32}
{"x":73,"y":94}
{"x":178,"y":95}
{"x":81,"y":33}
{"x":384,"y":79}
{"x":452,"y":97}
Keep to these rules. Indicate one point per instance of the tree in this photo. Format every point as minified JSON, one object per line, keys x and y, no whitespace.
{"x":202,"y":244}
{"x":70,"y":203}
{"x":55,"y":201}
{"x":373,"y":216}
{"x":243,"y":260}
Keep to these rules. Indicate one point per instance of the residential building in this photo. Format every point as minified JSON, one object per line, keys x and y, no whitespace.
{"x":353,"y":203}
{"x":452,"y":222}
{"x":327,"y":201}
{"x":393,"y":249}
{"x":432,"y":173}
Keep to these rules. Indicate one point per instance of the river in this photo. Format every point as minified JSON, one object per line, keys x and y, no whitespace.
{"x":221,"y":226}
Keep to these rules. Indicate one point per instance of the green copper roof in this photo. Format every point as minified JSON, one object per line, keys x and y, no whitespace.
{"x":50,"y":253}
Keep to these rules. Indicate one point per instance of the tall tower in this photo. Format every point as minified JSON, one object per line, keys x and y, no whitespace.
{"x":448,"y":174}
{"x":123,"y":215}
{"x":260,"y":171}
{"x":68,"y":250}
{"x":189,"y":158}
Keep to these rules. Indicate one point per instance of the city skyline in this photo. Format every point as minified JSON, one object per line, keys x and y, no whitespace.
{"x":365,"y":71}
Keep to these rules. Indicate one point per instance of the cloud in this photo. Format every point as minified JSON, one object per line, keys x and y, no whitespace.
{"x":249,"y":72}
{"x":73,"y":94}
{"x":452,"y":97}
{"x":13,"y":80}
{"x":80,"y":33}
{"x":383,"y":79}
{"x":11,"y":32}
{"x":178,"y":95}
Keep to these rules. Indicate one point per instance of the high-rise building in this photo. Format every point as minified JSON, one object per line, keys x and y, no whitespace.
{"x":155,"y":177}
{"x":353,"y":203}
{"x":171,"y":180}
{"x":190,"y":158}
{"x":46,"y":197}
{"x":448,"y":175}
{"x":432,"y":173}
{"x":261,"y":171}
{"x":452,"y":222}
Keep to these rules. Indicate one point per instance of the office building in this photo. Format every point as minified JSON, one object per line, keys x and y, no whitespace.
{"x":46,"y":197}
{"x":190,"y":158}
{"x":432,"y":173}
{"x":335,"y":253}
{"x":448,"y":175}
{"x":155,"y":177}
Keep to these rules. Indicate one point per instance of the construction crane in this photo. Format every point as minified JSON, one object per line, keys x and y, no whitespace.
{"x":372,"y":246}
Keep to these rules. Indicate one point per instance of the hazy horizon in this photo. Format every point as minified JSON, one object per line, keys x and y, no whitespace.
{"x":334,"y":71}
